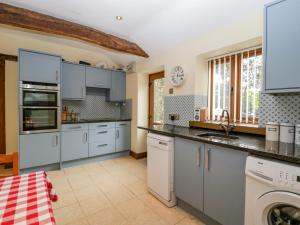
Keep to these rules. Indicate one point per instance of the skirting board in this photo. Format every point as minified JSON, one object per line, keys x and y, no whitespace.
{"x":138,"y":155}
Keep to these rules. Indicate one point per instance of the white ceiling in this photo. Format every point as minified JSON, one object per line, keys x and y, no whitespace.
{"x":155,"y":25}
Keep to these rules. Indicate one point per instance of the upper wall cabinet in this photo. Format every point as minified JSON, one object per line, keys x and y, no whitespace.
{"x":39,"y":67}
{"x":281,"y":46}
{"x":73,"y":81}
{"x":98,"y":78}
{"x":117,"y":92}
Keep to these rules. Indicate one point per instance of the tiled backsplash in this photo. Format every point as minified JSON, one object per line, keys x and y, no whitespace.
{"x":95,"y":106}
{"x":279,"y":108}
{"x":184,"y":105}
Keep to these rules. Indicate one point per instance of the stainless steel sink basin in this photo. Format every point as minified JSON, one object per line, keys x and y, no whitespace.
{"x":216,"y":135}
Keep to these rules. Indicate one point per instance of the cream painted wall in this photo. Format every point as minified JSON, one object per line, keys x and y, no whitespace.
{"x":11,"y":106}
{"x":192,"y":56}
{"x":10,"y":42}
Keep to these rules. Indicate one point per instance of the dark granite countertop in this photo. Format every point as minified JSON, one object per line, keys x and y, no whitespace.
{"x":253,"y":144}
{"x":96,"y":120}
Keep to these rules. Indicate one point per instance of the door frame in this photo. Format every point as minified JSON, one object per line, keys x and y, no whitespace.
{"x":3,"y":58}
{"x":152,"y":77}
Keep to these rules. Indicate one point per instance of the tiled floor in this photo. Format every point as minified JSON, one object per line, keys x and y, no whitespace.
{"x":111,"y":192}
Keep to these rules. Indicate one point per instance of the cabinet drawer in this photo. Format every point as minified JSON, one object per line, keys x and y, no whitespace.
{"x":102,"y":136}
{"x":122,"y":123}
{"x":72,"y":127}
{"x":95,"y":126}
{"x":100,"y":148}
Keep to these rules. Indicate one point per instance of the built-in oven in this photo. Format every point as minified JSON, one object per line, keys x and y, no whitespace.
{"x":39,"y":108}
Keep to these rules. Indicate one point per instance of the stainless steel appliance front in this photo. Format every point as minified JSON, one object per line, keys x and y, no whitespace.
{"x":39,"y":108}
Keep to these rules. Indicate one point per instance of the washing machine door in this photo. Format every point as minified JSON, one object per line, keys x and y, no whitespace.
{"x":278,"y":208}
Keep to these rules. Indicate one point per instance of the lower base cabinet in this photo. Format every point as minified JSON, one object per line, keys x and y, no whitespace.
{"x":224,"y":185}
{"x":211,"y":179}
{"x":123,"y":141}
{"x":39,"y":149}
{"x":102,"y":141}
{"x":74,"y":142}
{"x":189,"y":172}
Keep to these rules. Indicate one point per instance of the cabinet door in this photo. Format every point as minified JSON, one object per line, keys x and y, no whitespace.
{"x":74,"y":145}
{"x":123,"y":139}
{"x":39,"y":67}
{"x":224,"y":179}
{"x":282,"y":49}
{"x":98,"y":78}
{"x":39,"y":149}
{"x":73,"y":81}
{"x":188,"y":172}
{"x":118,"y":87}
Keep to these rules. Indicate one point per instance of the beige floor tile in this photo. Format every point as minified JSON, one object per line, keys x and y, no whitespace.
{"x":137,"y":188}
{"x":127,"y":179}
{"x":103,"y":177}
{"x":87,"y":192}
{"x":109,"y":185}
{"x":65,"y":199}
{"x":94,"y":204}
{"x":190,"y":221}
{"x":146,"y":218}
{"x":131,"y":209}
{"x":119,"y":195}
{"x":61,"y":186}
{"x":74,"y":170}
{"x":107,"y":163}
{"x":83,"y":221}
{"x":108,"y":216}
{"x":55,"y":174}
{"x":170,"y":215}
{"x":80,"y":182}
{"x":68,"y":214}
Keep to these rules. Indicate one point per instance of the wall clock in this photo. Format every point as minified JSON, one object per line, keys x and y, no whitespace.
{"x":177,"y":76}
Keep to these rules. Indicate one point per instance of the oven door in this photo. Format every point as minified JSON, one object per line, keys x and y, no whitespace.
{"x":39,"y":98}
{"x":39,"y":119}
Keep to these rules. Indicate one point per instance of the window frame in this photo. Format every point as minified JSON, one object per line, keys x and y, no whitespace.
{"x":235,"y":84}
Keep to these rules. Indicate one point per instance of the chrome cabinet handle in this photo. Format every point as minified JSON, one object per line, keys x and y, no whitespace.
{"x":82,"y":92}
{"x":56,"y":140}
{"x":99,"y":84}
{"x":207,"y":159}
{"x":102,"y":132}
{"x":85,"y":137}
{"x":102,"y":145}
{"x":56,"y":76}
{"x":72,"y":128}
{"x":198,"y":156}
{"x":162,"y":143}
{"x":122,"y":124}
{"x":102,"y":126}
{"x":118,"y":133}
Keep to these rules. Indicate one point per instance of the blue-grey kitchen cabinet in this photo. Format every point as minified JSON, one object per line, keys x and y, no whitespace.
{"x":281,"y":46}
{"x":73,"y":81}
{"x":117,"y":92}
{"x":39,"y":67}
{"x":123,"y":136}
{"x":189,"y":172}
{"x":98,"y":78}
{"x":39,"y":149}
{"x":224,"y":185}
{"x":74,"y":142}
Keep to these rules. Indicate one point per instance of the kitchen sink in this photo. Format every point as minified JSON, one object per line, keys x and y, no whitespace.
{"x":217,"y":135}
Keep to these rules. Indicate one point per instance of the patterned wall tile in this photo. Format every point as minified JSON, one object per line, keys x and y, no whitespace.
{"x":183,"y":105}
{"x":94,"y":106}
{"x":126,"y":110}
{"x":279,"y":108}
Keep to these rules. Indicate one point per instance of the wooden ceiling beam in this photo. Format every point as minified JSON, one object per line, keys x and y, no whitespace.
{"x":24,"y":18}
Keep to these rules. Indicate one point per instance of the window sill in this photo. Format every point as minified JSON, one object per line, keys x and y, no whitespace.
{"x":240,"y":128}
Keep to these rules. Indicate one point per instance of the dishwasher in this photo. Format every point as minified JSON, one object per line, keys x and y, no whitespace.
{"x":160,"y":168}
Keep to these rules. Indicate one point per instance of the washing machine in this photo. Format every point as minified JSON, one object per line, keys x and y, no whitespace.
{"x":272,"y":193}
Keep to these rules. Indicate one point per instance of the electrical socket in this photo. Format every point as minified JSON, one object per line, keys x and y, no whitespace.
{"x":174,"y":116}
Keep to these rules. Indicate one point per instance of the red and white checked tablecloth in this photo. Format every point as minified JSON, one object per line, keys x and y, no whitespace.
{"x":26,"y":199}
